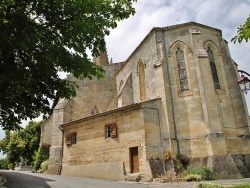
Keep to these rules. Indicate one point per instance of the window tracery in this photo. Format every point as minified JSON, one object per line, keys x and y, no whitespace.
{"x":213,"y":68}
{"x":183,"y":78}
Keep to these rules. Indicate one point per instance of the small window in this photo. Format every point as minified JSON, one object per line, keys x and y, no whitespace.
{"x":74,"y":138}
{"x":111,"y":130}
{"x":71,"y":139}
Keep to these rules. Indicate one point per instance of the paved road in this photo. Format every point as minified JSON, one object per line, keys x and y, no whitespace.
{"x":17,"y":179}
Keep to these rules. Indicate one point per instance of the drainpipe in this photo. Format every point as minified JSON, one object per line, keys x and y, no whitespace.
{"x":61,"y":152}
{"x":159,"y":124}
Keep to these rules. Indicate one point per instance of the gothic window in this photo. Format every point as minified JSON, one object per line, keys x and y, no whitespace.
{"x":182,"y":69}
{"x":213,"y":68}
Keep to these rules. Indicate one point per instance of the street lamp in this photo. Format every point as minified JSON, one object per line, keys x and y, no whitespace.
{"x":244,"y":81}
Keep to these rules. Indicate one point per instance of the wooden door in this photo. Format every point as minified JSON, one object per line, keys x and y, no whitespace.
{"x":134,"y":159}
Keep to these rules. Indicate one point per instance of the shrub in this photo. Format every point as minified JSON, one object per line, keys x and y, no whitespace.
{"x":44,"y":166}
{"x":41,"y":155}
{"x":204,"y":172}
{"x":180,"y":163}
{"x":11,"y":166}
{"x":193,"y":177}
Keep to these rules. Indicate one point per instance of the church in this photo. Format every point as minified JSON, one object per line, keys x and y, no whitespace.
{"x":176,"y":92}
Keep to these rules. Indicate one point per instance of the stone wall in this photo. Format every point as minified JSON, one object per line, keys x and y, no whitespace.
{"x":45,"y":138}
{"x":110,"y":170}
{"x":200,"y":122}
{"x":243,"y":164}
{"x":93,"y":147}
{"x":101,"y":95}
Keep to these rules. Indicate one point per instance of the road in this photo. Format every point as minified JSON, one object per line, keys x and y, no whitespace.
{"x":21,"y":179}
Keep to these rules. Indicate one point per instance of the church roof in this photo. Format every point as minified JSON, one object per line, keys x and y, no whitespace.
{"x":131,"y":106}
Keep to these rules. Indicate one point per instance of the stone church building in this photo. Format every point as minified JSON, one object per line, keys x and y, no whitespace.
{"x":176,"y":92}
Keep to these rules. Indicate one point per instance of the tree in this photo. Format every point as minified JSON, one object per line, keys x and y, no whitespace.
{"x":243,"y":32}
{"x":40,"y":156}
{"x":21,"y":145}
{"x":31,"y":138}
{"x":4,"y":164}
{"x":40,"y":38}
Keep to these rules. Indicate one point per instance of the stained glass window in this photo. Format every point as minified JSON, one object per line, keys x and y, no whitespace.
{"x":182,"y":69}
{"x":213,"y":68}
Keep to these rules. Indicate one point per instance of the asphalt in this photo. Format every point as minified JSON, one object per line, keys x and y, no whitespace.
{"x":22,"y":179}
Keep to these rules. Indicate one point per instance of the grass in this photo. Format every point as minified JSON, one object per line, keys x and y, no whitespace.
{"x":198,"y":174}
{"x":221,"y":186}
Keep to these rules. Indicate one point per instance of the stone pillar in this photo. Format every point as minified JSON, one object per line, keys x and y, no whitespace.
{"x":216,"y":143}
{"x":163,"y":69}
{"x":55,"y":156}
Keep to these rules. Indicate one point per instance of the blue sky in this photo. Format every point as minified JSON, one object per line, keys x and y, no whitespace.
{"x":225,"y":15}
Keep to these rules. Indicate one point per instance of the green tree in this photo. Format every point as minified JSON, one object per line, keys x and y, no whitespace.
{"x":15,"y":148}
{"x":40,"y":38}
{"x":21,"y":145}
{"x":243,"y":32}
{"x":31,"y":138}
{"x":4,"y":163}
{"x":5,"y":141}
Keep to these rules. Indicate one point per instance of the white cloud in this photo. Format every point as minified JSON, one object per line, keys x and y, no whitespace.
{"x":222,"y":14}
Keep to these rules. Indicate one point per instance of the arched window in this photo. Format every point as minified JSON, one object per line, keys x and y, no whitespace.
{"x":182,"y":69}
{"x":213,"y":68}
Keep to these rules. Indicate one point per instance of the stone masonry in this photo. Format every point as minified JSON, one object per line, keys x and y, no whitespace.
{"x":177,"y":91}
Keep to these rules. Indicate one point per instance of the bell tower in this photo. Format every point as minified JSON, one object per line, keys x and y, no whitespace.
{"x":102,"y":59}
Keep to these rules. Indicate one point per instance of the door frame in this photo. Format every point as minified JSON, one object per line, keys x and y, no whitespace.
{"x":132,"y":169}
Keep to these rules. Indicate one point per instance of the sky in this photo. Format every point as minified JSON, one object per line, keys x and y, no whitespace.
{"x":225,"y":15}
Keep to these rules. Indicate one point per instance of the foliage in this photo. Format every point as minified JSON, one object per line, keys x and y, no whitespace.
{"x":44,"y":167}
{"x":193,"y":177}
{"x":11,"y":166}
{"x":203,"y":172}
{"x":15,"y":148}
{"x":41,"y":155}
{"x":31,"y":137}
{"x":20,"y":146}
{"x":40,"y":38}
{"x":180,"y":163}
{"x":4,"y":163}
{"x":243,"y":32}
{"x":168,"y":155}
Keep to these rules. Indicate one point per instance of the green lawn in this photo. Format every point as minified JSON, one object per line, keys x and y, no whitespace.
{"x":220,"y":186}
